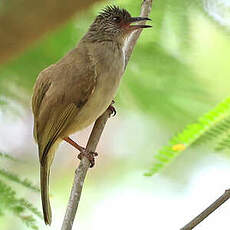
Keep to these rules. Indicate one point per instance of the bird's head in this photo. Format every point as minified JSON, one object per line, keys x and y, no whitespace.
{"x":114,"y":23}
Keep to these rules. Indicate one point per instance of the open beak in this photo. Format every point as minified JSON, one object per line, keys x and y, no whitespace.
{"x":138,"y":26}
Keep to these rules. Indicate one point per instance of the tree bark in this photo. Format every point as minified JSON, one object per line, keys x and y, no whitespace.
{"x":81,"y":171}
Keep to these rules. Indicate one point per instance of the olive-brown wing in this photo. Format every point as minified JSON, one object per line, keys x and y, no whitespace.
{"x":59,"y":94}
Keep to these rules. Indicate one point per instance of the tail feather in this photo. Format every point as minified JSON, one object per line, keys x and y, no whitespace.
{"x":44,"y":180}
{"x":46,"y":158}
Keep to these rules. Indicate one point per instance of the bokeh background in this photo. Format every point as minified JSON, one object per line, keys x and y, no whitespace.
{"x":178,"y":71}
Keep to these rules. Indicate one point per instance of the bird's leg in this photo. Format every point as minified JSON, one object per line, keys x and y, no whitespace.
{"x":74,"y":144}
{"x":111,"y":107}
{"x":83,"y":151}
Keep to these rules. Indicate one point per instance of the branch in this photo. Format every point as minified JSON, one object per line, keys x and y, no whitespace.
{"x":146,"y":8}
{"x":23,"y":22}
{"x":216,"y":204}
{"x":94,"y":138}
{"x":81,"y":171}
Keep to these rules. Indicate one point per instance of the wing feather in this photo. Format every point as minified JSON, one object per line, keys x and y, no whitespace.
{"x":59,"y":94}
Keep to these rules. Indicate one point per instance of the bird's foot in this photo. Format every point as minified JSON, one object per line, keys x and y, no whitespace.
{"x":112,"y":108}
{"x":89,"y":155}
{"x":83,"y":152}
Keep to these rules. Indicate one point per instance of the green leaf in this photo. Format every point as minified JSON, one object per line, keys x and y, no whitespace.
{"x":19,"y":207}
{"x":13,"y":177}
{"x":210,"y":125}
{"x":8,"y":157}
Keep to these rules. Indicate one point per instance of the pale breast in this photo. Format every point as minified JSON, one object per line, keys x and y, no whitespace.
{"x":109,"y":71}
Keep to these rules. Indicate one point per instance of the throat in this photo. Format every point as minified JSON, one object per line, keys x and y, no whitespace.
{"x":114,"y":58}
{"x":101,"y":37}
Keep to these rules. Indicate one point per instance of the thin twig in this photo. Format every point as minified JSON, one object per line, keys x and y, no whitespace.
{"x":146,"y":8}
{"x":216,"y":204}
{"x":99,"y":125}
{"x":81,"y":171}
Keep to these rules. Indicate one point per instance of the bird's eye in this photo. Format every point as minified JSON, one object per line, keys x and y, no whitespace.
{"x":116,"y":19}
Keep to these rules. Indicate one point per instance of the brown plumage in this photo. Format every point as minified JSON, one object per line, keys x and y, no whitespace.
{"x":71,"y":94}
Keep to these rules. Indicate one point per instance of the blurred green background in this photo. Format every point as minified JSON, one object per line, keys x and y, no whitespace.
{"x":178,"y":71}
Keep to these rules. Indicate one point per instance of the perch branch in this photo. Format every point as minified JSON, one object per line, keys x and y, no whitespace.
{"x":99,"y":125}
{"x":81,"y":171}
{"x":216,"y":204}
{"x":146,"y":8}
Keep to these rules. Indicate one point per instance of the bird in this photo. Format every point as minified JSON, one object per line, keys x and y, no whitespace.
{"x":72,"y":93}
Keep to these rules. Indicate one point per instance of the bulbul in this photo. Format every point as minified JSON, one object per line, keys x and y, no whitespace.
{"x":72,"y":93}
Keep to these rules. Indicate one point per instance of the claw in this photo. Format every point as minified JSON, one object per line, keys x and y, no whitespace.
{"x":89,"y":155}
{"x":114,"y":112}
{"x":112,"y":108}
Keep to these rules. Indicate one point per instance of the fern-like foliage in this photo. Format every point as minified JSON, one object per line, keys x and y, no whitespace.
{"x":20,"y":207}
{"x":30,"y":207}
{"x":213,"y":126}
{"x":8,"y":157}
{"x":9,"y":201}
{"x":13,"y":177}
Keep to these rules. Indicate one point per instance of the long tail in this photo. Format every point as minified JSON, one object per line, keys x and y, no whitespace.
{"x":46,"y":158}
{"x":44,"y":180}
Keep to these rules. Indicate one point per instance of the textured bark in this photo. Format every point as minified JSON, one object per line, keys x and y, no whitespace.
{"x":81,"y":171}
